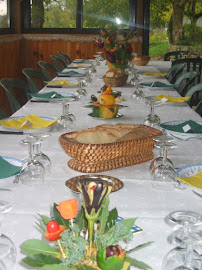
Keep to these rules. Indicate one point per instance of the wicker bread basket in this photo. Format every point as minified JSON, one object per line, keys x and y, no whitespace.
{"x":115,"y":82}
{"x":141,"y":60}
{"x":92,"y":158}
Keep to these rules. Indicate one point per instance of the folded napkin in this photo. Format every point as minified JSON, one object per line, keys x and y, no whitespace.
{"x":8,"y":169}
{"x":81,"y":61}
{"x":194,"y":181}
{"x":155,"y":74}
{"x":194,"y":127}
{"x":20,"y":123}
{"x":62,"y":82}
{"x":47,"y":95}
{"x":71,"y":73}
{"x":158,"y":84}
{"x":166,"y":98}
{"x":86,"y":66}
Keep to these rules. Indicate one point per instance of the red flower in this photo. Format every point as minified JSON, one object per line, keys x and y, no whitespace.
{"x":56,"y":235}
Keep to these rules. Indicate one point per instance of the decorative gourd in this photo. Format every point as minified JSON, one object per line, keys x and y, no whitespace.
{"x":105,"y":107}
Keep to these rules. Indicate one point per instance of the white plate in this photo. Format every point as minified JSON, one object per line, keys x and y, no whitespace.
{"x":65,"y":95}
{"x":180,"y":135}
{"x":188,"y":171}
{"x":27,"y":130}
{"x":13,"y":161}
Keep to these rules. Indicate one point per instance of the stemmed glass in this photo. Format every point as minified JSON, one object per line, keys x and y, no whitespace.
{"x":66,"y":120}
{"x":7,"y":253}
{"x":39,"y":155}
{"x":33,"y":171}
{"x":184,"y":256}
{"x":163,"y":174}
{"x":97,"y":60}
{"x":152,"y":119}
{"x":81,"y":93}
{"x":92,"y":70}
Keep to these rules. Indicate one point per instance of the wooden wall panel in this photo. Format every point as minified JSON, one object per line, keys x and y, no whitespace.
{"x":24,"y":51}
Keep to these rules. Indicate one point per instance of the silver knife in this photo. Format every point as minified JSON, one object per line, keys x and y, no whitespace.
{"x":5,"y":189}
{"x":198,"y":194}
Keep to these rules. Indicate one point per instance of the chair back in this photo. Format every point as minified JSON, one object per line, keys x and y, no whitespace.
{"x":174,"y":72}
{"x":185,"y":81}
{"x":35,"y":79}
{"x":2,"y":115}
{"x":66,"y":57}
{"x":192,"y":64}
{"x":59,"y":62}
{"x":14,"y":104}
{"x":48,"y":69}
{"x":194,"y":92}
{"x":174,"y":55}
{"x":199,"y":108}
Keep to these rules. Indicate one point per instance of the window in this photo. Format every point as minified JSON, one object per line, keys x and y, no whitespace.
{"x":77,"y":16}
{"x":5,"y":22}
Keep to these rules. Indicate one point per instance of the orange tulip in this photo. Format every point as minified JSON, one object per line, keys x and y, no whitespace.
{"x":68,"y":209}
{"x":56,"y":235}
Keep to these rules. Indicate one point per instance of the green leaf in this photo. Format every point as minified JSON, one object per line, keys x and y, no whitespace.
{"x":57,"y":267}
{"x":112,"y":218}
{"x":137,"y":263}
{"x":111,"y":109}
{"x":44,"y":219}
{"x":86,"y":267}
{"x":139,"y":247}
{"x":40,"y":226}
{"x":128,"y":223}
{"x":36,"y":246}
{"x":58,"y":217}
{"x":104,"y":215}
{"x":81,"y":220}
{"x":39,"y":260}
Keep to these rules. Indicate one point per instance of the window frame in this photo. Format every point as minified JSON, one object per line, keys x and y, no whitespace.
{"x":9,"y":30}
{"x":27,"y":29}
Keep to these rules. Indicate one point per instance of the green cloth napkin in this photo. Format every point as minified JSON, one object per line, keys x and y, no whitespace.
{"x":158,"y":84}
{"x":81,"y":61}
{"x":71,"y":73}
{"x":47,"y":95}
{"x":8,"y":169}
{"x":196,"y":128}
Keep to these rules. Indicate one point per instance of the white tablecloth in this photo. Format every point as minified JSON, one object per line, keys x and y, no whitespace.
{"x":136,"y":199}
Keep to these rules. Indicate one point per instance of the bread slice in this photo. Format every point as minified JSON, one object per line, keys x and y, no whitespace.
{"x":137,"y":133}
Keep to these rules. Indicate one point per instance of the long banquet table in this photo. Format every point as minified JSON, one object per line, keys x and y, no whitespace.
{"x":136,"y":199}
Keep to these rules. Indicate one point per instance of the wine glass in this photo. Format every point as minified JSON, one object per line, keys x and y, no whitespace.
{"x":5,"y":206}
{"x":92,"y":70}
{"x":33,"y":171}
{"x":67,"y":119}
{"x":187,"y":221}
{"x":39,"y":155}
{"x":138,"y":95}
{"x":181,"y":258}
{"x":81,"y":93}
{"x":152,"y":119}
{"x":97,"y":62}
{"x":7,"y":253}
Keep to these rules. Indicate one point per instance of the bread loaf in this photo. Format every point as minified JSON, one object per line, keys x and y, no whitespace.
{"x":107,"y":133}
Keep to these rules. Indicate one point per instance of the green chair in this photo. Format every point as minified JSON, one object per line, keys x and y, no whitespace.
{"x":35,"y":79}
{"x":59,"y":62}
{"x":2,"y":115}
{"x":192,"y":64}
{"x":174,"y":72}
{"x":199,"y":108}
{"x":186,"y":81}
{"x":194,"y":92}
{"x":66,"y":57}
{"x":174,"y":54}
{"x":48,"y":69}
{"x":14,"y":104}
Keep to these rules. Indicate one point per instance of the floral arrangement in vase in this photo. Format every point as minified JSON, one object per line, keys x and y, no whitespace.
{"x":83,"y":240}
{"x":117,"y":47}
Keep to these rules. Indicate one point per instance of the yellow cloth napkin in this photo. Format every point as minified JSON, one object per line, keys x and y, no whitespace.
{"x":62,"y":82}
{"x":194,"y":181}
{"x":155,"y":74}
{"x":172,"y":99}
{"x":36,"y":122}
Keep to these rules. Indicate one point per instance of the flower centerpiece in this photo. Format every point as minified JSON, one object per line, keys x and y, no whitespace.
{"x":117,"y":47}
{"x":87,"y":239}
